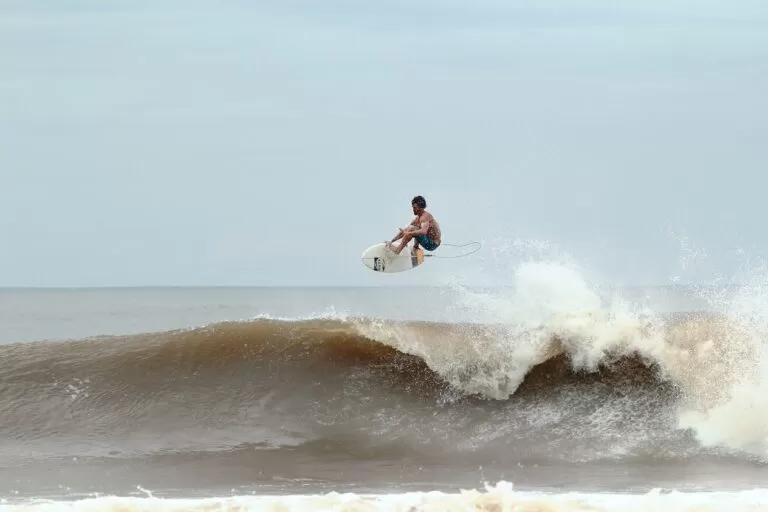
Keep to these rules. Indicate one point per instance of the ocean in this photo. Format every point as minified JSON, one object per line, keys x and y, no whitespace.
{"x":546,"y":395}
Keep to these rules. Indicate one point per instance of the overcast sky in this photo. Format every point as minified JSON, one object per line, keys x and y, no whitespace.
{"x":270,"y":142}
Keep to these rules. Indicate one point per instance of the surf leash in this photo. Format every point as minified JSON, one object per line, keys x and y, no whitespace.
{"x":458,"y":255}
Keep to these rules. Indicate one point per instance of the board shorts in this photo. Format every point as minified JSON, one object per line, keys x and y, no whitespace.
{"x":426,"y":243}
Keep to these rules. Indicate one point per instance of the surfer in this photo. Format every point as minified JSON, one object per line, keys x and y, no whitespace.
{"x":424,"y":229}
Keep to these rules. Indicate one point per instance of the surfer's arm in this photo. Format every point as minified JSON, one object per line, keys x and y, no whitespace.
{"x":414,"y":223}
{"x":422,"y":229}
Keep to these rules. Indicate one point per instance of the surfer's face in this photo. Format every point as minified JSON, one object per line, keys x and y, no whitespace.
{"x":416,"y":209}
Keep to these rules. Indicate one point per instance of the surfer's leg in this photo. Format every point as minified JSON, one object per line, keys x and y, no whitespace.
{"x":403,"y":242}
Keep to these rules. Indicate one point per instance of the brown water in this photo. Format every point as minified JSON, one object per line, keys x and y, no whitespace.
{"x":207,"y":392}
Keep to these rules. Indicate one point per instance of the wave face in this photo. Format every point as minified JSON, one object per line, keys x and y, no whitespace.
{"x":583,"y":386}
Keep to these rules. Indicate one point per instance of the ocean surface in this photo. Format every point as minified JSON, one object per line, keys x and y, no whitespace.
{"x":546,"y":395}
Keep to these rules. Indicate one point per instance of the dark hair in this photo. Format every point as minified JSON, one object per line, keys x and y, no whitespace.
{"x":419,"y":201}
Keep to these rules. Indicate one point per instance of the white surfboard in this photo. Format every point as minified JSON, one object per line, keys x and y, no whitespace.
{"x":381,"y":258}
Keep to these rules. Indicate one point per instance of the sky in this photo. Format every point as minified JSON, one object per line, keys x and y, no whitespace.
{"x":269,"y":143}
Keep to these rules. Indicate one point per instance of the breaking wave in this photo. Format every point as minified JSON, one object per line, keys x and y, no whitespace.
{"x":620,"y":381}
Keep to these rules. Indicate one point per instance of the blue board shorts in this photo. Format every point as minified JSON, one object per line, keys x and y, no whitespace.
{"x":426,"y":243}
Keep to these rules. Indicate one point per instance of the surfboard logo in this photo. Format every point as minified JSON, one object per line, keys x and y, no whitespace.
{"x":378,"y":264}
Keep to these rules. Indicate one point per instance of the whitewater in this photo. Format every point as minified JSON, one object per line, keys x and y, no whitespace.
{"x":548,"y":394}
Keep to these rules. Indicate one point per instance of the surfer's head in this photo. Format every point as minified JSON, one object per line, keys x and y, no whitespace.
{"x":418,"y":203}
